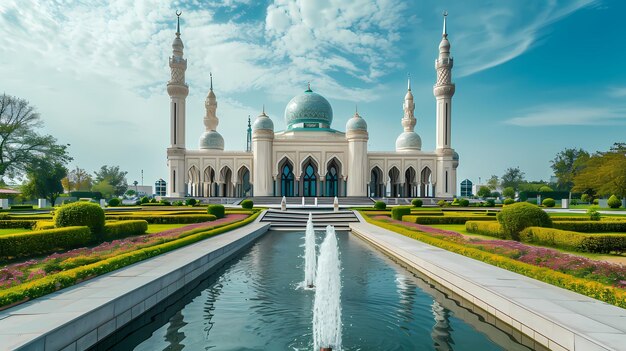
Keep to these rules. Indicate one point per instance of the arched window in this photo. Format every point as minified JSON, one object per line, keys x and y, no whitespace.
{"x":286,"y":180}
{"x":332,"y":183}
{"x":309,"y":181}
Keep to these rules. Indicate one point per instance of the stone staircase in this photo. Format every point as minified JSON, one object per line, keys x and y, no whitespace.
{"x":353,"y":201}
{"x":296,"y":220}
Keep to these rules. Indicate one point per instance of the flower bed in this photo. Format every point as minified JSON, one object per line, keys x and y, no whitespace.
{"x":598,"y":279}
{"x":19,"y":273}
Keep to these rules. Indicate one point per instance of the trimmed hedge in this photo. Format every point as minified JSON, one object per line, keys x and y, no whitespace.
{"x":399,"y":211}
{"x":43,"y":225}
{"x":114,"y":202}
{"x":485,"y":228}
{"x":80,"y":214}
{"x":598,"y":243}
{"x":43,"y":241}
{"x":54,"y":282}
{"x":548,"y":202}
{"x":17,"y":223}
{"x":427,"y":213}
{"x":380,"y":205}
{"x":121,"y":229}
{"x":180,"y":219}
{"x":417,"y":202}
{"x":568,"y":219}
{"x":21,"y":207}
{"x":247,"y":204}
{"x":444,"y":219}
{"x":216,"y":210}
{"x":516,"y":217}
{"x":591,"y":226}
{"x":583,"y":286}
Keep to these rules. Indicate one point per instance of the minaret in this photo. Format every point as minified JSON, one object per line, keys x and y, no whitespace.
{"x":178,"y":90}
{"x":444,"y":90}
{"x":408,"y":140}
{"x":447,"y":158}
{"x":249,"y":136}
{"x":211,"y":139}
{"x":357,"y":136}
{"x":262,"y":150}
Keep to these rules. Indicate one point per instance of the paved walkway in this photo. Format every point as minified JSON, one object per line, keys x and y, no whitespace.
{"x":557,"y":318}
{"x":77,"y":317}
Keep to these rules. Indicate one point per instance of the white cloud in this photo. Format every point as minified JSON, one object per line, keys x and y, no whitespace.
{"x":561,"y":114}
{"x":617,"y":92}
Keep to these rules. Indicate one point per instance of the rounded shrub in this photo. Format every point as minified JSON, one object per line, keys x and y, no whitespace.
{"x":593,"y":214}
{"x":519,"y":216}
{"x":247,"y":204}
{"x":441,"y":203}
{"x":545,"y":189}
{"x":508,"y":201}
{"x":548,"y":202}
{"x":614,"y":202}
{"x":399,"y":211}
{"x":178,"y":203}
{"x":490,"y":202}
{"x":585,"y":198}
{"x":417,"y":203}
{"x":216,"y":210}
{"x":114,"y":202}
{"x":165,"y":202}
{"x":595,"y":201}
{"x":380,"y":205}
{"x":80,"y":214}
{"x":144,"y":200}
{"x":191,"y":202}
{"x":153,"y":201}
{"x":464,"y":202}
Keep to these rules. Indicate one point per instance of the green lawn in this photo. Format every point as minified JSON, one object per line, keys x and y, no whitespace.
{"x":12,"y":231}
{"x":156,"y":228}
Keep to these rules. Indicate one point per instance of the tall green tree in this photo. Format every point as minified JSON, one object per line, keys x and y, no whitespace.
{"x":78,"y":179}
{"x":483,"y":192}
{"x":114,"y":177}
{"x":44,"y":180}
{"x":604,"y":173}
{"x":107,"y":190}
{"x":20,"y":142}
{"x":512,"y":177}
{"x":566,"y":165}
{"x":493,"y":182}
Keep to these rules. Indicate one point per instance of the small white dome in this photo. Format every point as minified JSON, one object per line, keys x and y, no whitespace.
{"x":263,"y":122}
{"x":356,"y":123}
{"x":211,"y":140}
{"x":408,"y":141}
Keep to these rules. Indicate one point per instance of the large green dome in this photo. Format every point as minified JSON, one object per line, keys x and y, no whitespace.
{"x":308,"y":110}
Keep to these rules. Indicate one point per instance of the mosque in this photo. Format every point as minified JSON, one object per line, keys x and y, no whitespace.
{"x":310,"y":158}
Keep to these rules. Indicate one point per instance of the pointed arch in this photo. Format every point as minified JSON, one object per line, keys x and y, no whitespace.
{"x":376,"y":185}
{"x":226,"y":182}
{"x":333,"y":180}
{"x":410,"y":182}
{"x":285,"y":178}
{"x":281,"y":162}
{"x":244,"y":187}
{"x":426,"y":182}
{"x":193,"y":181}
{"x":209,"y":183}
{"x":309,"y":177}
{"x":394,"y":181}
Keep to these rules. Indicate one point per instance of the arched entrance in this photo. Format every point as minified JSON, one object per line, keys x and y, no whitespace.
{"x":209,"y":186}
{"x":244,"y":188}
{"x":309,"y":179}
{"x":394,"y":182}
{"x":332,"y":179}
{"x":426,"y":185}
{"x":410,"y":185}
{"x":226,"y":176}
{"x":286,"y":178}
{"x":376,"y":182}
{"x":193,"y":185}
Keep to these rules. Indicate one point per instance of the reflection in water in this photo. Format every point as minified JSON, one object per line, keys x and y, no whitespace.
{"x":441,"y":334}
{"x":253,"y":305}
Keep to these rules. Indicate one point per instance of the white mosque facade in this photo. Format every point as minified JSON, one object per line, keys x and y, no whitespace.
{"x":309,"y":158}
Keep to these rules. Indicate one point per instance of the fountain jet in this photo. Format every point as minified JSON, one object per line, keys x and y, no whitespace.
{"x":327,"y":304}
{"x":309,"y":254}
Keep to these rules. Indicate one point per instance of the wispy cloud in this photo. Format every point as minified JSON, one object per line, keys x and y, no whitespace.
{"x":617,"y":92}
{"x":561,"y":114}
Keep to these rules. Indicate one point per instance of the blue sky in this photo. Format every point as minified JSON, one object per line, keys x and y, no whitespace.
{"x":533,"y":77}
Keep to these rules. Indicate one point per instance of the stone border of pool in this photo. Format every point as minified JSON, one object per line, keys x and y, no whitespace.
{"x":78,"y":317}
{"x":553,"y":317}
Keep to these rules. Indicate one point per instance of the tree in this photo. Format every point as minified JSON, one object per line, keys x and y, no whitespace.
{"x":512,"y":177}
{"x":105,"y":188}
{"x":44,"y":180}
{"x":114,"y":177}
{"x":508,"y":192}
{"x":483,"y":191}
{"x":78,"y":179}
{"x":566,"y":165}
{"x":21,"y":145}
{"x":493,"y":182}
{"x":604,"y":173}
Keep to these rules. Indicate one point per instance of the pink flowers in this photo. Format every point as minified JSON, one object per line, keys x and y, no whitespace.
{"x":579,"y":266}
{"x":18,"y":273}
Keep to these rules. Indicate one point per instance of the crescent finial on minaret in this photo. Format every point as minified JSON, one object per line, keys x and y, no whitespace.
{"x":409,"y":81}
{"x":178,"y":13}
{"x":445,"y":30}
{"x":211,"y":78}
